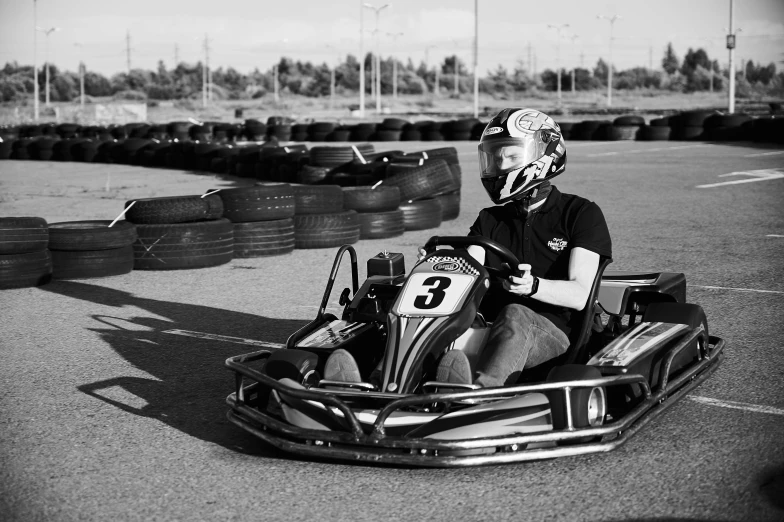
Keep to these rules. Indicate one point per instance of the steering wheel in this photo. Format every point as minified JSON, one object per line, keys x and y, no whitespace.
{"x":488,"y":244}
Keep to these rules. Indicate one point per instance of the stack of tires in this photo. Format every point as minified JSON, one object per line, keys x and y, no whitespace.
{"x":448,"y":197}
{"x":24,"y":252}
{"x":319,"y":131}
{"x":91,"y":249}
{"x":389,"y":130}
{"x":589,"y":130}
{"x":658,"y":129}
{"x":262,"y":217}
{"x":688,"y":125}
{"x":320,"y":221}
{"x":725,"y":127}
{"x":625,"y":128}
{"x":377,"y":210}
{"x":338,"y":165}
{"x":180,"y":232}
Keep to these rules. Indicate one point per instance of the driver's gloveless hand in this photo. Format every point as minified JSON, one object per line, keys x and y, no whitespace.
{"x":520,"y":285}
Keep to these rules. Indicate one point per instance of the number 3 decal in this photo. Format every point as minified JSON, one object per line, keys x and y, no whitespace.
{"x":435,"y":295}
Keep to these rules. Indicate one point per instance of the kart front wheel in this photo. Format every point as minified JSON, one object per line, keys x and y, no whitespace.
{"x":588,"y":405}
{"x":297,"y":365}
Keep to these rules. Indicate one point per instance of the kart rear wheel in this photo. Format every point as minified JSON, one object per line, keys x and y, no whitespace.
{"x":588,"y":405}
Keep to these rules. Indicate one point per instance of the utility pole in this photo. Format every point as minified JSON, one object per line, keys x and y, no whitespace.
{"x":47,"y":32}
{"x":204,"y":71}
{"x":361,"y":60}
{"x":378,"y":59}
{"x":128,"y":49}
{"x":612,"y":20}
{"x":35,"y":60}
{"x":530,"y":61}
{"x":427,"y":66}
{"x":476,"y":58}
{"x":176,"y":55}
{"x":731,"y":47}
{"x":82,"y":72}
{"x":394,"y":65}
{"x":558,"y":56}
{"x":573,"y":38}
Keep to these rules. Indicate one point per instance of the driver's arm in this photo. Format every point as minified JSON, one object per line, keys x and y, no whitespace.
{"x":572,"y":293}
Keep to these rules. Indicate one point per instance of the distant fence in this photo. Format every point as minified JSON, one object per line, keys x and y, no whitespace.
{"x":89,"y":114}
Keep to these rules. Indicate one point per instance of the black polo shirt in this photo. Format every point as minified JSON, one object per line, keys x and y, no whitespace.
{"x":544,"y":239}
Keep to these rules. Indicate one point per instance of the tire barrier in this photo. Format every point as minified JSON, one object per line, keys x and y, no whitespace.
{"x":24,"y":255}
{"x":21,"y":235}
{"x":262,"y":202}
{"x":263,"y":238}
{"x":326,"y":230}
{"x":24,"y":270}
{"x":177,"y":246}
{"x":422,"y":214}
{"x":91,"y":249}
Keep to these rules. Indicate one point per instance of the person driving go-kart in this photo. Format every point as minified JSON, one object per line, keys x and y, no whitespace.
{"x":558,"y":237}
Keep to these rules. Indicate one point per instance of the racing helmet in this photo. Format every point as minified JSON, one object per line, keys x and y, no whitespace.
{"x":519,"y":150}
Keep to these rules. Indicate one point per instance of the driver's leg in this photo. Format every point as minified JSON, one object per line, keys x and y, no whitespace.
{"x":519,"y":338}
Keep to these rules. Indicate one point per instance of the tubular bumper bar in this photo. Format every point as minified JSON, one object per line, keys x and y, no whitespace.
{"x":355,"y":444}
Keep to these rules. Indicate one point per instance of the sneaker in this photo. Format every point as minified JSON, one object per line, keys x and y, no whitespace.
{"x":341,"y":366}
{"x":454,"y":368}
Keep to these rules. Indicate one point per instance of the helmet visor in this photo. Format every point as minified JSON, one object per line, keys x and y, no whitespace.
{"x":504,"y":155}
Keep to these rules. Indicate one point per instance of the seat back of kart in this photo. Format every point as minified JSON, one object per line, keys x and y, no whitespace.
{"x":582,"y":321}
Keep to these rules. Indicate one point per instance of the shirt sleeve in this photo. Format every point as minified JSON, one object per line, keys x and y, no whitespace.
{"x":590,"y":231}
{"x":479,"y":226}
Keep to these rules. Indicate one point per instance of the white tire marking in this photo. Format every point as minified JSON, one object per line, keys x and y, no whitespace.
{"x":738,"y":405}
{"x":759,"y":154}
{"x":226,"y":338}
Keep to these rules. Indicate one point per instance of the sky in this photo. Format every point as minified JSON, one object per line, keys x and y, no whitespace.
{"x":249,"y":34}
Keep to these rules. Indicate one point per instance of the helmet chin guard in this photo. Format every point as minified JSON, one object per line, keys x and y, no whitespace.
{"x":519,"y":150}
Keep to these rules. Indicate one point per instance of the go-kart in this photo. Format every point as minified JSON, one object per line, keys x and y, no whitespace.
{"x":636,"y":348}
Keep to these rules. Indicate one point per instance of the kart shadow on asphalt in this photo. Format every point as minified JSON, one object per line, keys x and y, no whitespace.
{"x":190,"y":382}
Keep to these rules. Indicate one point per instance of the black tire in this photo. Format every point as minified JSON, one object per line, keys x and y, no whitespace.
{"x":335,"y":156}
{"x":90,"y":235}
{"x":261,"y":202}
{"x":368,"y":199}
{"x":660,"y":122}
{"x":450,"y":205}
{"x":183,"y":245}
{"x":88,"y":264}
{"x":21,"y":235}
{"x":6,"y":148}
{"x":629,"y":121}
{"x":686,"y":133}
{"x":168,"y":210}
{"x":652,"y":133}
{"x":622,"y":132}
{"x":326,"y":230}
{"x":588,"y":405}
{"x":410,"y":135}
{"x":422,"y":214}
{"x":691,"y":118}
{"x":263,"y":238}
{"x":24,"y":270}
{"x":309,"y":174}
{"x":317,"y":199}
{"x":420,"y":181}
{"x":381,"y":225}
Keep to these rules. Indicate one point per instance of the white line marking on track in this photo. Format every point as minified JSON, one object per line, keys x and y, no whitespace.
{"x":738,"y":405}
{"x":774,"y":235}
{"x":737,"y":289}
{"x":755,"y":175}
{"x":225,"y":338}
{"x":759,"y":154}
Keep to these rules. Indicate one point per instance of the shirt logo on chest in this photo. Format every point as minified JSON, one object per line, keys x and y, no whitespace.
{"x":557,"y":244}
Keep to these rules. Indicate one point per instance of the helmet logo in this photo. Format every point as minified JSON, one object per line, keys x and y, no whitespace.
{"x":532,"y":121}
{"x":493,"y":130}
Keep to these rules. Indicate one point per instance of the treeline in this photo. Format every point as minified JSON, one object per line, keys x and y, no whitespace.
{"x":696,"y":72}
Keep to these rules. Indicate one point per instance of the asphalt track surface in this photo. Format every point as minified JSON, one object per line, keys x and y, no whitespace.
{"x":106,"y":416}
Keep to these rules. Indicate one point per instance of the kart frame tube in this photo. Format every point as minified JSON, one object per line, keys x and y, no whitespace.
{"x":371,"y":447}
